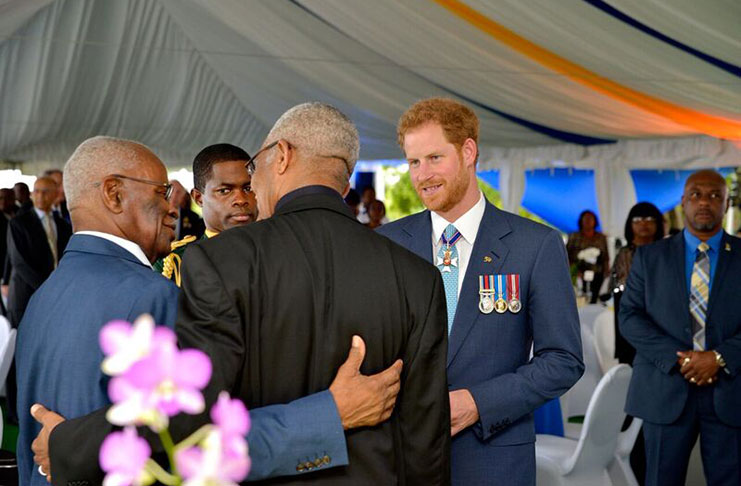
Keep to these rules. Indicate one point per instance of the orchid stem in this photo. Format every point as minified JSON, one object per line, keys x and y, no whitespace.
{"x":166,"y":439}
{"x":160,"y":474}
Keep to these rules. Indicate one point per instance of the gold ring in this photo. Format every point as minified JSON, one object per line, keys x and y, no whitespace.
{"x":693,"y":380}
{"x":710,"y":380}
{"x":685,"y":361}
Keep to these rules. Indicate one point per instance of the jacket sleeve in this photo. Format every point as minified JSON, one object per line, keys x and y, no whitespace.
{"x":423,"y":404}
{"x":557,"y":350}
{"x":637,"y":327}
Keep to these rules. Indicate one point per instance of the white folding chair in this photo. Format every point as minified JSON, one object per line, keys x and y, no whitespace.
{"x":620,"y":471}
{"x":7,"y":351}
{"x":604,"y":340}
{"x":561,"y":461}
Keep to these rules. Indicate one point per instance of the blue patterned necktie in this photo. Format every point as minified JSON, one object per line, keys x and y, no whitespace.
{"x":699,"y":294}
{"x":447,"y":262}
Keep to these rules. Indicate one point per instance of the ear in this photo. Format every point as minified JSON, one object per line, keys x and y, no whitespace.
{"x":470,"y":150}
{"x":112,"y":192}
{"x":286,"y":153}
{"x":197,"y":196}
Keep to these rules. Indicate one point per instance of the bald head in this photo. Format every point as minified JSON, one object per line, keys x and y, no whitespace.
{"x":97,"y":158}
{"x":704,"y":202}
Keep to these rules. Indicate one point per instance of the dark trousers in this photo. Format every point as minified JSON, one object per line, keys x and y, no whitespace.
{"x":668,"y":447}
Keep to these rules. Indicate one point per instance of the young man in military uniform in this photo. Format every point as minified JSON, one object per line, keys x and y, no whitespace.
{"x":223,"y":192}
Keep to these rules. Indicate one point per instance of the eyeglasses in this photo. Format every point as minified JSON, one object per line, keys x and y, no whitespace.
{"x":250,"y":165}
{"x":165,"y":185}
{"x":641,"y":219}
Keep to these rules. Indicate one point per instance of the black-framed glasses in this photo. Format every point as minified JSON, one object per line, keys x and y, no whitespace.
{"x":250,"y":165}
{"x":167,"y":186}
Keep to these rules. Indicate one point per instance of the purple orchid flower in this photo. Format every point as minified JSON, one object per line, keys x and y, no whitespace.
{"x":124,"y":344}
{"x":123,"y":456}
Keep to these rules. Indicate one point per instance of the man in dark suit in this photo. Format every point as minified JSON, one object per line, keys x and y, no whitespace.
{"x":507,"y":288}
{"x":60,"y":204}
{"x":22,"y":196}
{"x":681,"y":311}
{"x":119,"y":206}
{"x":36,"y":241}
{"x":274,"y":302}
{"x":189,"y":223}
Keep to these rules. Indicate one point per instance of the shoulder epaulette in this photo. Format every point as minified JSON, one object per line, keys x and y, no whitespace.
{"x":171,"y":263}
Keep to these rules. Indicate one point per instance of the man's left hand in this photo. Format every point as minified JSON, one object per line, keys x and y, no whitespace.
{"x":463,"y":411}
{"x":40,"y":445}
{"x":698,"y":367}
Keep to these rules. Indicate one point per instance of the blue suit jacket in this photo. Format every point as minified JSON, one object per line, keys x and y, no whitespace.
{"x":58,"y":356}
{"x":488,"y":354}
{"x":655,"y":319}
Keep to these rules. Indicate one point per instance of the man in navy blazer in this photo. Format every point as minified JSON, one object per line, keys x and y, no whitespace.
{"x":682,"y":312}
{"x":507,"y":289}
{"x":118,"y":197}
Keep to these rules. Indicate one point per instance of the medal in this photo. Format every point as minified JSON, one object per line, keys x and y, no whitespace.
{"x":447,"y":261}
{"x":513,"y":289}
{"x":500,"y":305}
{"x":486,"y":293}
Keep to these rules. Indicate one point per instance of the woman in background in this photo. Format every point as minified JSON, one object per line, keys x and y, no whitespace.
{"x":589,"y":237}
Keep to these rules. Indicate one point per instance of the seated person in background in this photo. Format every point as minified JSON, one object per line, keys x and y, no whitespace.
{"x":223,"y":192}
{"x":353,"y":201}
{"x":36,"y":241}
{"x":376,"y":214}
{"x":589,"y":237}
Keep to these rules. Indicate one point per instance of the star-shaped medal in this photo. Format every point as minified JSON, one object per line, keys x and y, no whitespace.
{"x":446,"y":261}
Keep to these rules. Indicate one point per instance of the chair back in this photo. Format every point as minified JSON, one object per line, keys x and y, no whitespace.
{"x":604,"y":340}
{"x":7,"y":351}
{"x":627,"y":438}
{"x":588,"y":313}
{"x":599,"y":435}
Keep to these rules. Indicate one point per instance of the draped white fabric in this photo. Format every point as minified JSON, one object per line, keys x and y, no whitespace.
{"x":181,"y":74}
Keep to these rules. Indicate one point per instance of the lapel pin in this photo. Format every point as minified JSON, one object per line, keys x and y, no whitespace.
{"x":487,"y":259}
{"x":728,"y":247}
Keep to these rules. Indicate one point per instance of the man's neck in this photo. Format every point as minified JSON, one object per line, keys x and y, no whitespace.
{"x":704,"y":235}
{"x":464,"y":205}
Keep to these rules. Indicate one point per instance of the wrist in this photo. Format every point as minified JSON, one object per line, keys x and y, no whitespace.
{"x":719,"y":359}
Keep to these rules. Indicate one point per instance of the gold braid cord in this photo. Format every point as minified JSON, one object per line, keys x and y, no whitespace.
{"x":171,"y":263}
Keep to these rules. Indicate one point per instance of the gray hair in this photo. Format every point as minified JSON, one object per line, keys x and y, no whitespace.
{"x":321,"y":130}
{"x":96,"y":158}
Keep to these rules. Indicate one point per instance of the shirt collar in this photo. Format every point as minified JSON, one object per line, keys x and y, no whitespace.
{"x":40,"y":213}
{"x":467,"y":224}
{"x":692,"y":241}
{"x":211,"y":234}
{"x":304,"y":191}
{"x":128,"y":245}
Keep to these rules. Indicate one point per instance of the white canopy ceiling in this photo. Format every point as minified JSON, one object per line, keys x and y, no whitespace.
{"x":181,"y":74}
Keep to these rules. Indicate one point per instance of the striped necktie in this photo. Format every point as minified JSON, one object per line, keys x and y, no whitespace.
{"x":699,"y":294}
{"x":447,"y":262}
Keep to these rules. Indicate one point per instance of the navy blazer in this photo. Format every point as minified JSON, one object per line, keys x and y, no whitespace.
{"x":58,"y":356}
{"x":489,"y":354}
{"x":655,"y":319}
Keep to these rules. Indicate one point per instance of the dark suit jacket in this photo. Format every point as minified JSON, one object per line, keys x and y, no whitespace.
{"x":655,"y":319}
{"x":275,"y":305}
{"x":58,"y":356}
{"x":31,"y":258}
{"x":190,"y":224}
{"x":489,"y":354}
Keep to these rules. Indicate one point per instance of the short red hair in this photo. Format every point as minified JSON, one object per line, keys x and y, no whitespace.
{"x":458,"y":121}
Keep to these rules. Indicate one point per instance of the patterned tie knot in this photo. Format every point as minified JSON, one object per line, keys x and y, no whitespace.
{"x":703,"y":247}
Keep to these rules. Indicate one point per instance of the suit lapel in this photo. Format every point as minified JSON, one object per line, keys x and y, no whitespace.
{"x":488,"y":244}
{"x":724,"y":261}
{"x":678,"y":264}
{"x":419,"y":233}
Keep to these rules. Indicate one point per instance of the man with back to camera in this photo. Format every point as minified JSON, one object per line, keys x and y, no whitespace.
{"x":681,"y":312}
{"x":224,"y":194}
{"x":125,"y":222}
{"x":507,"y":288}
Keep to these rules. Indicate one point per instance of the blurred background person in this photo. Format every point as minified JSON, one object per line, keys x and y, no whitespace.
{"x":367,"y":196}
{"x":376,"y":214}
{"x":60,"y":204}
{"x":22,"y":196}
{"x":189,"y":223}
{"x":592,"y":269}
{"x":353,"y":201}
{"x":7,"y":203}
{"x":644,"y":225}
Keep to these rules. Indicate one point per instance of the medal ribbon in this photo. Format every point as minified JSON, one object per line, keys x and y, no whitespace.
{"x":448,"y":243}
{"x":513,"y":286}
{"x":501,"y":288}
{"x":486,"y":282}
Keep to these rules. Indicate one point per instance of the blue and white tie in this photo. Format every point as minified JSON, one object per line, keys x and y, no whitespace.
{"x":447,"y":262}
{"x":699,"y":294}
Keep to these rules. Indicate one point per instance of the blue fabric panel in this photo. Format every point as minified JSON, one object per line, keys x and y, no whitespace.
{"x":662,"y":187}
{"x":491,"y":177}
{"x":560,"y":195}
{"x":610,"y":10}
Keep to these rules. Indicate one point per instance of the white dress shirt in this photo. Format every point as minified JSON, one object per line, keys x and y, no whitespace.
{"x":468,"y":226}
{"x":127,"y":245}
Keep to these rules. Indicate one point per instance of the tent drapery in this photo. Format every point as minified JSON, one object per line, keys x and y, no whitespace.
{"x":178,"y":75}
